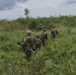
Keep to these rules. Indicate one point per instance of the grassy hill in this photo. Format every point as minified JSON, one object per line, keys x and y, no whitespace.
{"x":57,"y":58}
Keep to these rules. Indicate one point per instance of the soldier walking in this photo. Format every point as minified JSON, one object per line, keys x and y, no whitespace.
{"x":27,"y":45}
{"x":54,"y":32}
{"x":38,"y":41}
{"x":44,"y":37}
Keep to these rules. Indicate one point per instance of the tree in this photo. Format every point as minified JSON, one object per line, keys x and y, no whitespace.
{"x":27,"y":12}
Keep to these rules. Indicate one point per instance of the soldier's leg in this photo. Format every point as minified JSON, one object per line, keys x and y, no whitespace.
{"x":39,"y":46}
{"x":54,"y":36}
{"x":43,"y":43}
{"x":28,"y":55}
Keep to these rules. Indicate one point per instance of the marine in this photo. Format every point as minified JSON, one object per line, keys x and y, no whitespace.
{"x":38,"y":41}
{"x":44,"y":37}
{"x":54,"y":32}
{"x":27,"y":45}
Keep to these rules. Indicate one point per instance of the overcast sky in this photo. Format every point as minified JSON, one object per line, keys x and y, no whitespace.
{"x":12,"y":9}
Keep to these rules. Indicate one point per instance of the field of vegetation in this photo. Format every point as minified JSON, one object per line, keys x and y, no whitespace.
{"x":57,"y":58}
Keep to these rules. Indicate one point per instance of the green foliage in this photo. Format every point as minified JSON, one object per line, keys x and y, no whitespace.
{"x":57,"y":58}
{"x":26,"y":12}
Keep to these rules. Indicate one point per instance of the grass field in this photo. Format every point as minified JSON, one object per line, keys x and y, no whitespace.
{"x":57,"y":58}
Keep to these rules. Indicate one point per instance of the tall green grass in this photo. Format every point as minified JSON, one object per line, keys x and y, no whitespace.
{"x":57,"y":58}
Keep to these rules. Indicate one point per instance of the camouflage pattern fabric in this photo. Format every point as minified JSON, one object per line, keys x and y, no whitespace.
{"x":44,"y":38}
{"x":27,"y":43}
{"x":54,"y":32}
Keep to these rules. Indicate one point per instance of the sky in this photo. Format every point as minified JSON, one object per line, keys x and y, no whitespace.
{"x":13,"y":9}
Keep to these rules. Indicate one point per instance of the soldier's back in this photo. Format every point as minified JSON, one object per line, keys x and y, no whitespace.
{"x":28,"y":42}
{"x":44,"y":36}
{"x":54,"y":31}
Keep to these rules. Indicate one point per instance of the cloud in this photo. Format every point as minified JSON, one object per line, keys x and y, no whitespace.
{"x":9,"y":4}
{"x":36,"y":4}
{"x":51,"y":7}
{"x":42,"y":8}
{"x":33,"y":4}
{"x":70,"y":1}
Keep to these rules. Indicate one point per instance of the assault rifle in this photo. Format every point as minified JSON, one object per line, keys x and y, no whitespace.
{"x":26,"y":48}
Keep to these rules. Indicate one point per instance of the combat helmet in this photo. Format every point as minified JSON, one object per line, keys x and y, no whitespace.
{"x":53,"y":26}
{"x":41,"y":24}
{"x":28,"y":33}
{"x":37,"y":36}
{"x":44,"y":30}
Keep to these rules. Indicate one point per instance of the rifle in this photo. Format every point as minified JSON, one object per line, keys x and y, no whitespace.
{"x":27,"y":48}
{"x":31,"y":50}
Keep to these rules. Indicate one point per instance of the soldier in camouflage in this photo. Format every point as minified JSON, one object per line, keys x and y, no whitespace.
{"x":27,"y":45}
{"x":41,"y":26}
{"x":54,"y":32}
{"x":38,"y":41}
{"x":44,"y":37}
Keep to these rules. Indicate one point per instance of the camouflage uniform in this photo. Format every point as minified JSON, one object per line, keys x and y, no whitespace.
{"x":54,"y":32}
{"x":38,"y":42}
{"x":34,"y":44}
{"x":44,"y":37}
{"x":41,"y":26}
{"x":26,"y":45}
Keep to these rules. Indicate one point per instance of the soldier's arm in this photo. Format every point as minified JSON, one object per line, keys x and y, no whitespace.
{"x":24,"y":39}
{"x":51,"y":32}
{"x":56,"y":32}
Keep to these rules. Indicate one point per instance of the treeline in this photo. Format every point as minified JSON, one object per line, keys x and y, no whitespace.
{"x":34,"y":23}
